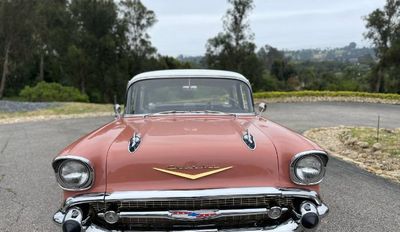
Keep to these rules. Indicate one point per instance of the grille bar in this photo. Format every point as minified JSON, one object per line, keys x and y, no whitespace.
{"x":198,"y":204}
{"x":205,"y":214}
{"x":219,"y":222}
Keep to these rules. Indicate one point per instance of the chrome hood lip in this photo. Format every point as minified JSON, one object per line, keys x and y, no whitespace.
{"x":188,"y":194}
{"x":209,"y":193}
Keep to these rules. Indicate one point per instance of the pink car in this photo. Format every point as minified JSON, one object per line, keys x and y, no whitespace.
{"x":189,"y":152}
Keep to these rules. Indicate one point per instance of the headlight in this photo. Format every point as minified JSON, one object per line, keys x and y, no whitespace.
{"x":308,"y":168}
{"x":73,"y":173}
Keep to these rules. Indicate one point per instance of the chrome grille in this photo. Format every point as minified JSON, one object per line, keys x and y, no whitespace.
{"x":201,"y":203}
{"x":230,"y":202}
{"x":225,"y":222}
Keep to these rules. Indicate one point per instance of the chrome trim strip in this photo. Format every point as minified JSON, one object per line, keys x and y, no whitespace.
{"x":82,"y":199}
{"x":191,"y":74}
{"x":211,"y":193}
{"x":174,"y":194}
{"x":190,"y":114}
{"x":168,"y":214}
{"x":73,"y":157}
{"x":322,"y":155}
{"x":194,"y":73}
{"x":60,"y":159}
{"x":189,"y":194}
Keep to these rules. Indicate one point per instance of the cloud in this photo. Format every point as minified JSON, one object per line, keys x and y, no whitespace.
{"x":184,"y":26}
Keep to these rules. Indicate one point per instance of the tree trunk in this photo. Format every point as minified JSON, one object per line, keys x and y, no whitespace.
{"x":41,"y":68}
{"x":82,"y":84}
{"x":379,"y":80}
{"x":5,"y":71}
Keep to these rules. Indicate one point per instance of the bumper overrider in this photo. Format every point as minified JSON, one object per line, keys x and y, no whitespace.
{"x":302,"y":214}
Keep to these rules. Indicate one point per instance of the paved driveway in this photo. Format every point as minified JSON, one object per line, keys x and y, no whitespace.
{"x":358,"y":200}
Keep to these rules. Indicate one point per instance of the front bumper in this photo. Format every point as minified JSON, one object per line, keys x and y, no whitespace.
{"x":292,"y":224}
{"x":289,"y":225}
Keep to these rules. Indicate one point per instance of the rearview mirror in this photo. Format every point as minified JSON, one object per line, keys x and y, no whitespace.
{"x":117,"y":111}
{"x":262,"y":107}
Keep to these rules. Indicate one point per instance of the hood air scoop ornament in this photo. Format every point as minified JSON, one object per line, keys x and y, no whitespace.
{"x":248,"y":139}
{"x":134,"y":143}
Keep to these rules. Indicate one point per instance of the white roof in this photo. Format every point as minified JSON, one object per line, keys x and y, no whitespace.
{"x":184,"y":73}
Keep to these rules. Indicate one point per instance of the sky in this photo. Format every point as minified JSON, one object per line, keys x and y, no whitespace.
{"x":184,"y":26}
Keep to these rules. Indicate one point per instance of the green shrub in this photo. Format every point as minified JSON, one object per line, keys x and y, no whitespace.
{"x":47,"y":92}
{"x":387,"y":96}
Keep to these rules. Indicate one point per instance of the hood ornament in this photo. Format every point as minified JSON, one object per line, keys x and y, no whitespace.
{"x":134,"y":143}
{"x":248,"y":139}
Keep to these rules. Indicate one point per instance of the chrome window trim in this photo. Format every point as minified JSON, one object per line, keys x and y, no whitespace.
{"x":243,"y":80}
{"x":191,"y":194}
{"x":188,"y":114}
{"x":322,"y":155}
{"x":195,"y":73}
{"x":59,"y":160}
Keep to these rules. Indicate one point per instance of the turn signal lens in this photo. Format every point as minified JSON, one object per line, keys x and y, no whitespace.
{"x":111,"y":217}
{"x":275,"y":212}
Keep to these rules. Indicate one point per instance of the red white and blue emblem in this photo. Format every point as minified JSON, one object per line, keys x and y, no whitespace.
{"x":193,"y":215}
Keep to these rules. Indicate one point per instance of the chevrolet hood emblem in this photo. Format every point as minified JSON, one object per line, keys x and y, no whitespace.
{"x":193,"y":176}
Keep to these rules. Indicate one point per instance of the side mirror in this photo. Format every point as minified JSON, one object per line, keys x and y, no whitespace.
{"x":262,"y":107}
{"x":117,"y":111}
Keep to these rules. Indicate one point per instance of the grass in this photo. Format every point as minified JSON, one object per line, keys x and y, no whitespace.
{"x":390,"y":140}
{"x":263,"y":95}
{"x":64,"y":109}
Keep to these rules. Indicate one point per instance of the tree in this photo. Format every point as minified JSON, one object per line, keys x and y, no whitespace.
{"x":268,"y":55}
{"x":282,"y":70}
{"x":138,"y":20}
{"x":50,"y":21}
{"x":383,"y":30}
{"x":92,"y":52}
{"x":233,"y":48}
{"x":15,"y":36}
{"x":94,"y":45}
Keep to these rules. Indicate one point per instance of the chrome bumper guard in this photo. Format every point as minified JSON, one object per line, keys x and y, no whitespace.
{"x":319,"y":209}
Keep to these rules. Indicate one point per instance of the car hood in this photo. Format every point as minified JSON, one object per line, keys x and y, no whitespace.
{"x":190,"y":152}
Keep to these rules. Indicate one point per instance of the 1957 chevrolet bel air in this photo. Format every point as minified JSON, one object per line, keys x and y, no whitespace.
{"x":189,"y":153}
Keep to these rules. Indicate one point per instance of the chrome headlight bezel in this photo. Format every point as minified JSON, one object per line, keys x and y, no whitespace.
{"x":60,"y":161}
{"x":320,"y":156}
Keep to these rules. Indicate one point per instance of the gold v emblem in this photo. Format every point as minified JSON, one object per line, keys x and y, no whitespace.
{"x":195,"y":176}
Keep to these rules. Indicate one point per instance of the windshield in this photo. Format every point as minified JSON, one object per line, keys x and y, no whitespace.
{"x":189,"y":95}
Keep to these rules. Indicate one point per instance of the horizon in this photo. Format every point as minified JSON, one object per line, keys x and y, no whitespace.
{"x":288,"y":25}
{"x":290,"y":50}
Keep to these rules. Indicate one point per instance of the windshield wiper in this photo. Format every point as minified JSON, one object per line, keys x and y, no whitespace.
{"x":214,"y":112}
{"x":193,"y":112}
{"x":169,"y":112}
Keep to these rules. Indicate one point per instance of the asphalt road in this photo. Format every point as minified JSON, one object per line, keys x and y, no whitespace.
{"x":359,"y":201}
